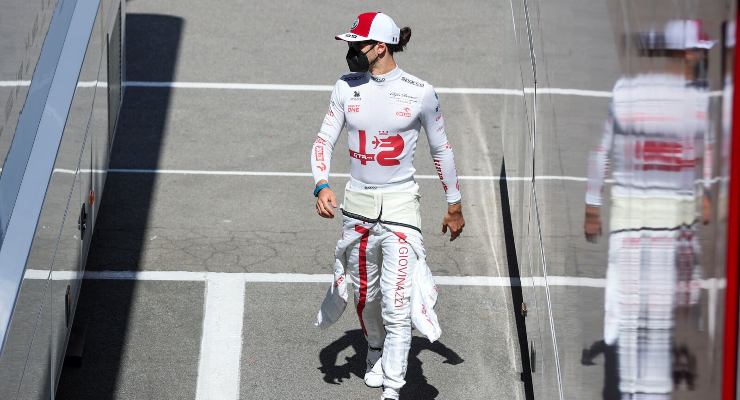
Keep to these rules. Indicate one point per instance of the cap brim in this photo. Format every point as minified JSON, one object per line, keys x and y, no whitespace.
{"x":350,"y":37}
{"x":705,"y":44}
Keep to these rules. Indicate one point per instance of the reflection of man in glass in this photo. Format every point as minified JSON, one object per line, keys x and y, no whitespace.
{"x":652,"y":142}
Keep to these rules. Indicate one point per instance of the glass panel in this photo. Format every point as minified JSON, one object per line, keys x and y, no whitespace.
{"x":629,"y":174}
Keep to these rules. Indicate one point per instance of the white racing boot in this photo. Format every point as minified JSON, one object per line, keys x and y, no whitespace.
{"x":374,"y":371}
{"x":389,"y":394}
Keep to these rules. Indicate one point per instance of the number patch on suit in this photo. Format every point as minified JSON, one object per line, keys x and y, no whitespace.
{"x":390,"y":147}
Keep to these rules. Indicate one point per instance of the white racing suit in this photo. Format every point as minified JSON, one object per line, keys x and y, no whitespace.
{"x":392,"y":284}
{"x":382,"y":247}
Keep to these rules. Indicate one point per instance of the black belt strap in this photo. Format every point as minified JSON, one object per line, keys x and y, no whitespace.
{"x":374,"y":220}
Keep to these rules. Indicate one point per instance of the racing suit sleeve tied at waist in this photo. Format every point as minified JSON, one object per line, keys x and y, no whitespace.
{"x":424,"y":291}
{"x":335,"y":300}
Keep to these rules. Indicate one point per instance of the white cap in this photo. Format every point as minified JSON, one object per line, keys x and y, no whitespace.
{"x":372,"y":26}
{"x":678,"y":34}
{"x":686,"y":34}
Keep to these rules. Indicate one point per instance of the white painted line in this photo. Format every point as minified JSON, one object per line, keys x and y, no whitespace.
{"x":43,"y":274}
{"x":563,"y":178}
{"x":570,"y":92}
{"x":205,"y":276}
{"x":92,"y":84}
{"x":560,"y":178}
{"x":28,"y":83}
{"x":341,"y":175}
{"x":227,"y":173}
{"x":567,"y":281}
{"x":539,"y":178}
{"x":488,"y":91}
{"x":148,"y":275}
{"x":231,"y":86}
{"x":14,"y":83}
{"x":265,"y":277}
{"x":328,"y":88}
{"x":323,"y":88}
{"x":64,"y":171}
{"x":337,"y":175}
{"x":36,"y":274}
{"x":492,"y":281}
{"x":221,"y":341}
{"x":256,"y":277}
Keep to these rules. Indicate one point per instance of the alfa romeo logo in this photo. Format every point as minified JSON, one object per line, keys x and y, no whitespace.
{"x":354,"y":25}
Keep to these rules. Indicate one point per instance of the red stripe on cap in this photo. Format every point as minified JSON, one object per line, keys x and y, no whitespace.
{"x":364,"y":22}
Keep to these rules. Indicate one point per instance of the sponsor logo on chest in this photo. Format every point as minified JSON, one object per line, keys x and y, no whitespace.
{"x":402,"y":98}
{"x":404,"y":112}
{"x":389,"y":149}
{"x":412,"y":82}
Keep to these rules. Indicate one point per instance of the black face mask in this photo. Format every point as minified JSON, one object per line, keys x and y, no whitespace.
{"x":357,"y":60}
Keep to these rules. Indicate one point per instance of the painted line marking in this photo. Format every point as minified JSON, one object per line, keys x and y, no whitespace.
{"x":335,"y":175}
{"x":563,"y":178}
{"x":329,"y":88}
{"x":265,"y":277}
{"x":342,"y":175}
{"x":15,"y":83}
{"x":570,"y":92}
{"x":221,"y":341}
{"x":205,"y":172}
{"x":28,"y":83}
{"x":320,"y":88}
{"x":231,"y":86}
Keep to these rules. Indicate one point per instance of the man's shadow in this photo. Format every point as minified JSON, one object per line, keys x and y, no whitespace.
{"x":416,"y":386}
{"x":611,"y":367}
{"x":683,"y":367}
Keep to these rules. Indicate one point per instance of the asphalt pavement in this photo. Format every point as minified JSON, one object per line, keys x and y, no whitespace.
{"x":145,"y":336}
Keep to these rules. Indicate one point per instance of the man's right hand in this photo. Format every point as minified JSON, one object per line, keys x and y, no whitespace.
{"x":325,"y":202}
{"x":592,"y":223}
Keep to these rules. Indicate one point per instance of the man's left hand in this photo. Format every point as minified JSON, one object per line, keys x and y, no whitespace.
{"x":453,"y":221}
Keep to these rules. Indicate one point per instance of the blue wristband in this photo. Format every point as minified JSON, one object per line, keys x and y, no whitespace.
{"x":319,"y":188}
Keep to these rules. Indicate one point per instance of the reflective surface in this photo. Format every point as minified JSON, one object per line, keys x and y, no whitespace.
{"x":24,"y":26}
{"x":628,"y":175}
{"x":42,"y":315}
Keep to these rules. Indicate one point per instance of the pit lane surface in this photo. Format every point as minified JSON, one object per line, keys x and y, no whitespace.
{"x":145,"y":337}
